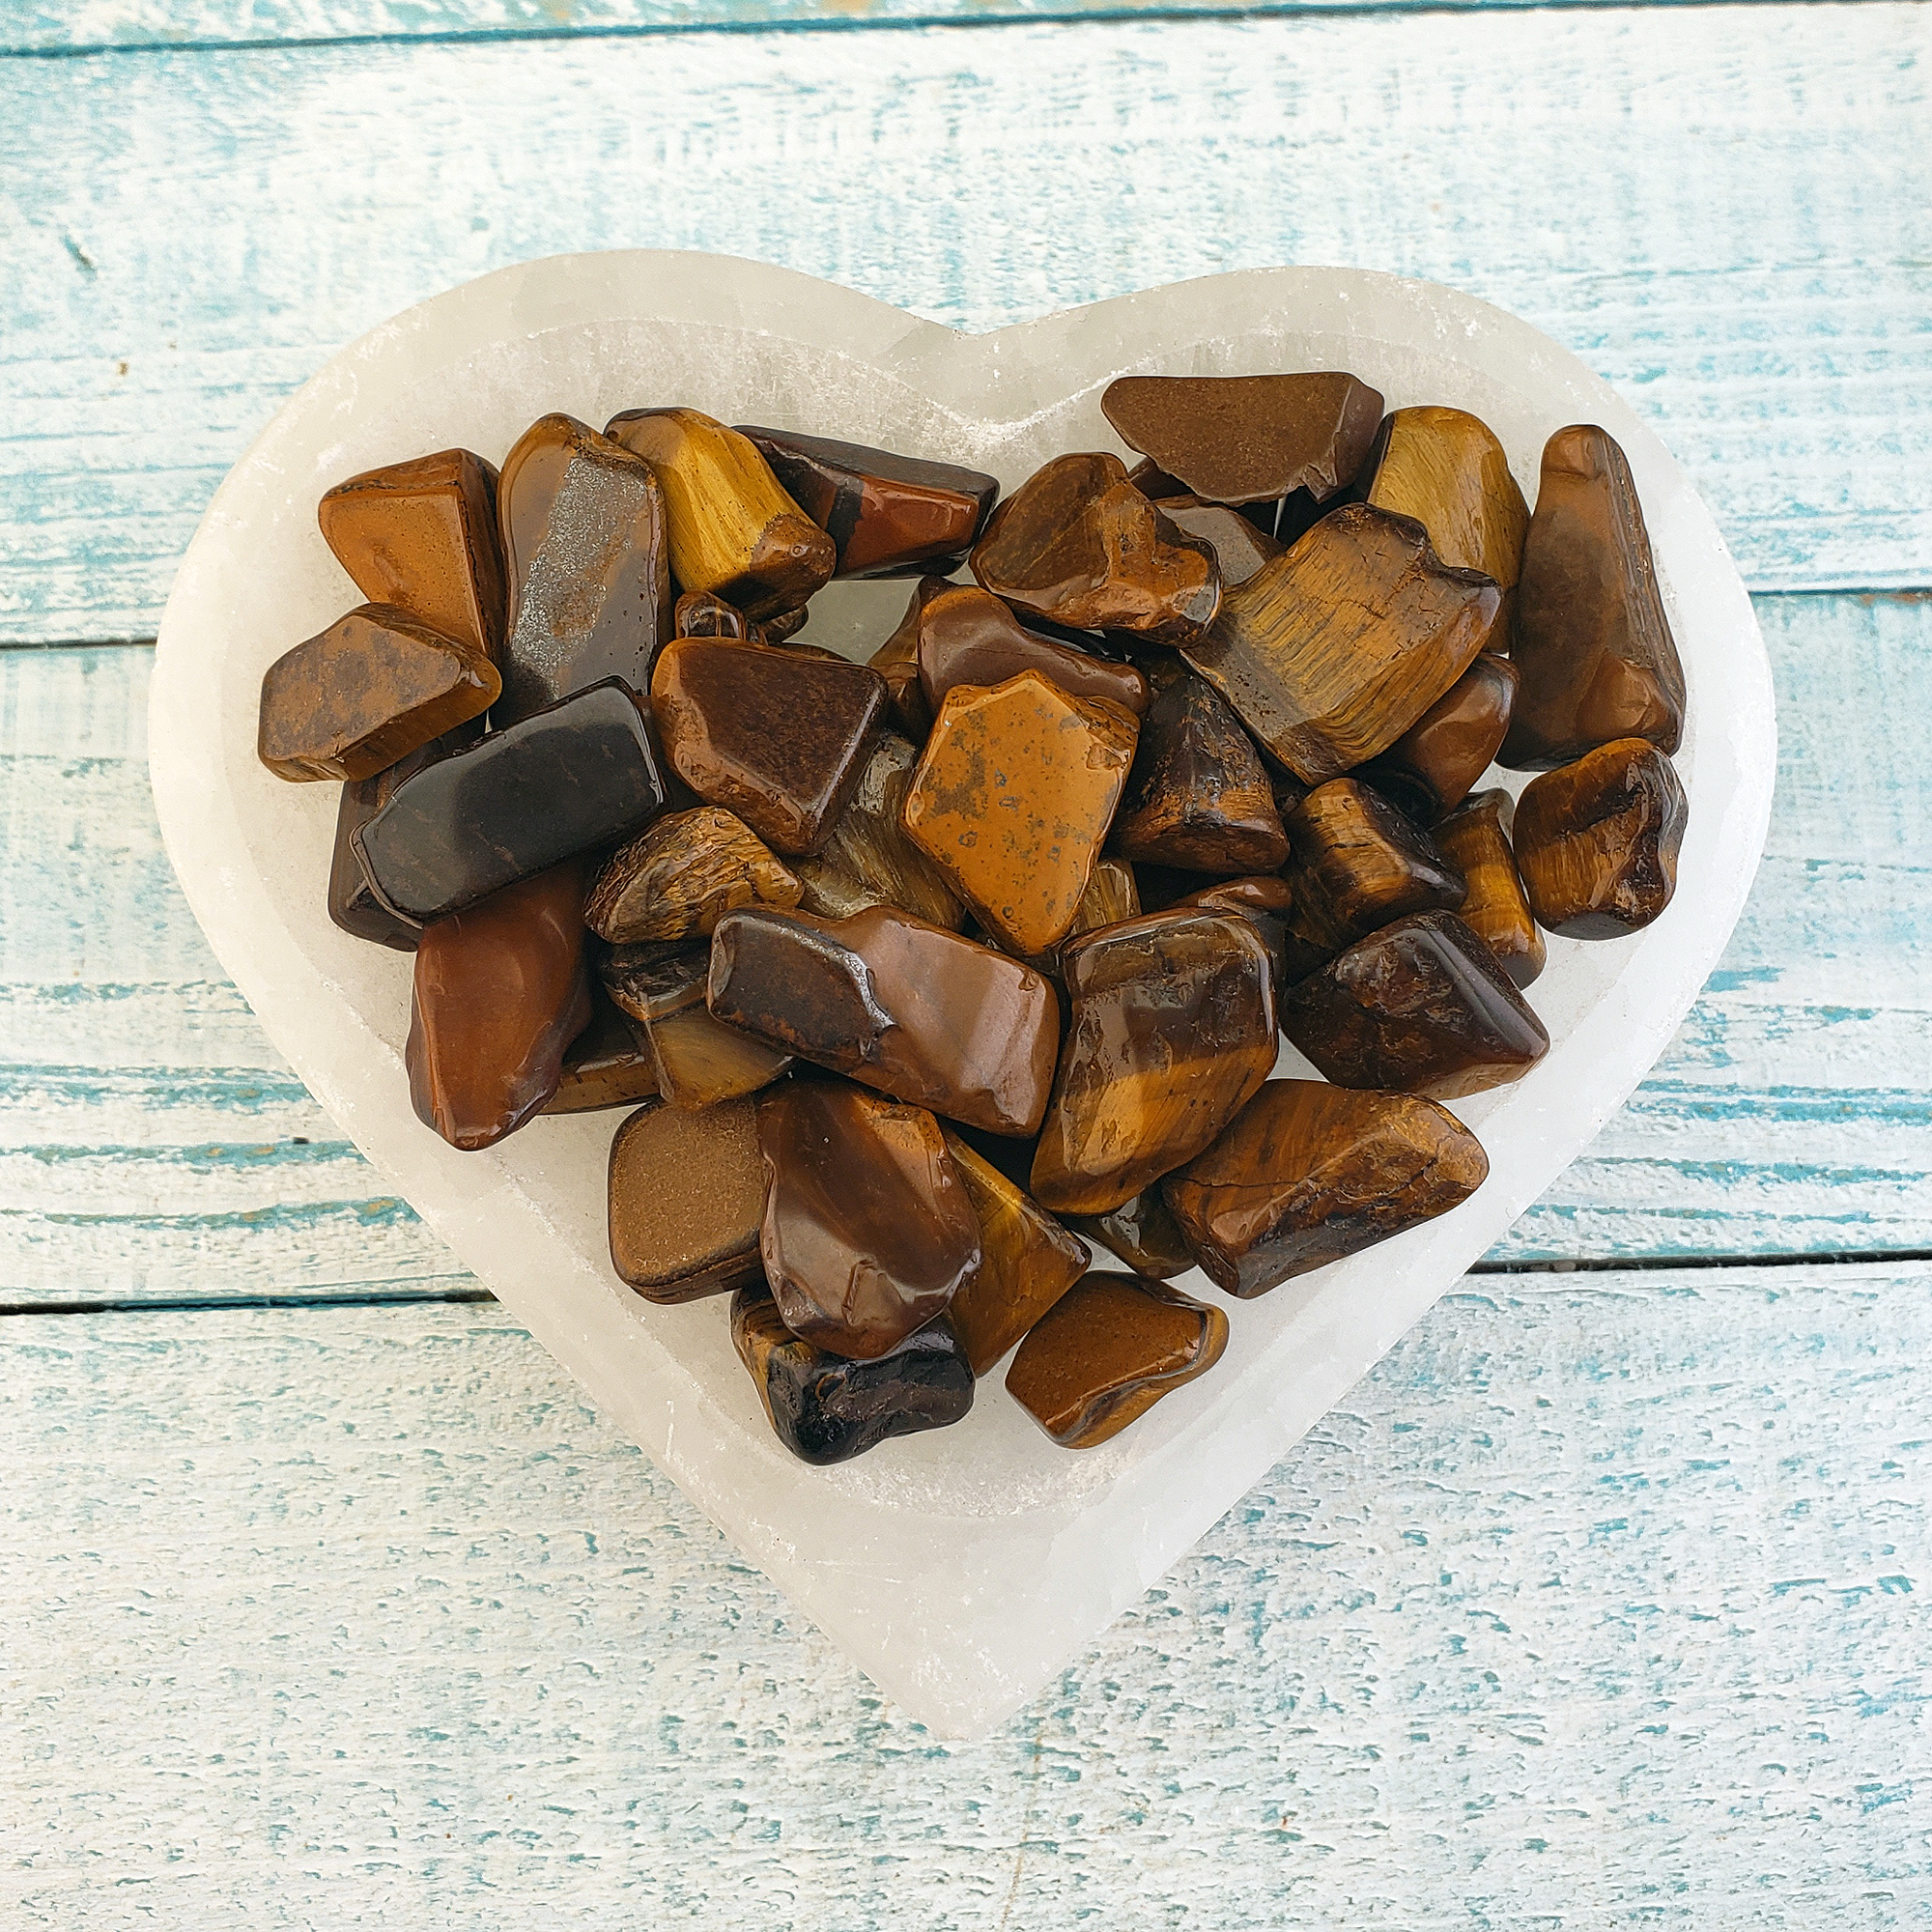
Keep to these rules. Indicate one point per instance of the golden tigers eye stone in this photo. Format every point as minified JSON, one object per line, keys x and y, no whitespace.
{"x":1434,"y":765}
{"x":1475,"y":838}
{"x":681,"y":874}
{"x":1143,"y":1232}
{"x":687,"y":1197}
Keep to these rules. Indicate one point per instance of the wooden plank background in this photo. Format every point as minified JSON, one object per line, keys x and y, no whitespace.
{"x":1596,"y":1605}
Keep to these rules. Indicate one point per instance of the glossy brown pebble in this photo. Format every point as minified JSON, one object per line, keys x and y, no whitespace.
{"x":896,"y":661}
{"x":888,"y":514}
{"x":1112,"y":895}
{"x":1249,"y":438}
{"x":867,"y":859}
{"x":1476,"y":837}
{"x":1173,"y":1027}
{"x":1264,"y":901}
{"x":733,"y":529}
{"x":1143,"y":1232}
{"x":1107,"y":1350}
{"x":681,"y":874}
{"x":610,"y":1063}
{"x":1420,"y":1007}
{"x":369,"y":690}
{"x":1239,"y":548}
{"x":1012,"y":799}
{"x":909,"y":1008}
{"x":825,"y":1409}
{"x":1596,"y":841}
{"x":1332,"y":651}
{"x":1078,"y":544}
{"x":700,"y":614}
{"x":687,"y":1200}
{"x":1434,"y":764}
{"x":422,"y":535}
{"x":777,"y":736}
{"x":1028,"y":1261}
{"x":868,"y":1230}
{"x":1198,"y":797}
{"x":586,"y":554}
{"x":1590,"y":636}
{"x":699,"y":1061}
{"x":501,"y":992}
{"x":1307,"y":1173}
{"x":967,"y":635}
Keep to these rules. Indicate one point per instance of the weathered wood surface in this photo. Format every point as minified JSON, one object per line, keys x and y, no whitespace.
{"x":1739,"y":243}
{"x":1600,"y":1603}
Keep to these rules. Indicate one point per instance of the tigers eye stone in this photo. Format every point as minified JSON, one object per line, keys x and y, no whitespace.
{"x":1432,"y":768}
{"x":871,"y":860}
{"x":1107,"y":1350}
{"x":777,"y":736}
{"x":896,"y":661}
{"x":868,"y":1230}
{"x":909,"y":1008}
{"x":1332,"y":651}
{"x":1265,"y":901}
{"x":1198,"y":797}
{"x":825,"y":1409}
{"x":1078,"y":544}
{"x":733,"y":529}
{"x":586,"y":554}
{"x":1143,"y":1232}
{"x":1028,"y":1261}
{"x":1307,"y":1173}
{"x":579,"y":775}
{"x":422,"y":535}
{"x":699,"y":1061}
{"x":1173,"y":1028}
{"x":888,"y":514}
{"x":1590,"y":636}
{"x":969,"y":636}
{"x":1596,"y":841}
{"x":1420,"y":1007}
{"x":1475,"y":838}
{"x":1239,"y":547}
{"x":687,"y":1200}
{"x":371,"y":689}
{"x":1112,"y":895}
{"x":700,"y":614}
{"x":501,"y":989}
{"x":681,"y":874}
{"x":1248,"y":439}
{"x":609,"y":1064}
{"x":1012,"y":797}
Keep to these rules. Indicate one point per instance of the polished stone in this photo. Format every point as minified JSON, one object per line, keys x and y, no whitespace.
{"x":868,"y":1230}
{"x":581,"y":775}
{"x":1240,"y":548}
{"x":733,"y":529}
{"x":1433,"y":767}
{"x":1078,"y":544}
{"x":610,"y":1063}
{"x":1012,"y":798}
{"x":867,"y":859}
{"x":1107,"y":1350}
{"x":1475,"y":838}
{"x":1265,"y":901}
{"x":896,"y":661}
{"x":687,"y":1200}
{"x":777,"y":735}
{"x":1596,"y":841}
{"x":966,"y":636}
{"x":1143,"y":1232}
{"x":501,"y":991}
{"x":700,"y":614}
{"x":700,"y":1060}
{"x":1307,"y":1173}
{"x":422,"y":535}
{"x":369,"y":690}
{"x":1590,"y":634}
{"x":825,"y":1409}
{"x":585,"y":556}
{"x":1420,"y":1007}
{"x":1173,"y":1026}
{"x":681,"y":874}
{"x":909,"y":1008}
{"x":1332,"y":651}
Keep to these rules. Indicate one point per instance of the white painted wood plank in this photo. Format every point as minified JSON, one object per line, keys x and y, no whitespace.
{"x":1599,"y":1604}
{"x":1739,"y":241}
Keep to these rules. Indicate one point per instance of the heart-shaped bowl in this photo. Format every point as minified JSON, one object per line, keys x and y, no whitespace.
{"x":961,"y":1568}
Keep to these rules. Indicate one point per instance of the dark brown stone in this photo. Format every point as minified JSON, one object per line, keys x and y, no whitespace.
{"x":1143,"y":1232}
{"x":1433,"y":767}
{"x":609,"y":1064}
{"x":687,"y":1199}
{"x":967,"y":635}
{"x":700,"y":1060}
{"x":1476,"y":838}
{"x":1239,"y":547}
{"x":681,"y":874}
{"x":1265,"y":901}
{"x":896,"y":661}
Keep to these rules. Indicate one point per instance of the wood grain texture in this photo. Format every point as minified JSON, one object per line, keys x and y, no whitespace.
{"x":1599,"y":1604}
{"x":1741,"y":243}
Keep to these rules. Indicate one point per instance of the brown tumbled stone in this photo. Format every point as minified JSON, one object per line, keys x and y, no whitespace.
{"x":1265,"y":901}
{"x":1107,"y":1350}
{"x":1143,"y":1232}
{"x":368,"y":691}
{"x":1434,"y":765}
{"x":501,"y":991}
{"x":1078,"y":544}
{"x":1476,"y":838}
{"x":866,"y":858}
{"x":1332,"y":651}
{"x":1173,"y":1027}
{"x":687,"y":1199}
{"x":868,"y":1230}
{"x":967,"y":635}
{"x":609,"y":1064}
{"x":1420,"y":1007}
{"x":776,"y":735}
{"x":1308,"y":1173}
{"x":700,"y":1060}
{"x":1012,"y":798}
{"x":422,"y":535}
{"x":1239,"y":547}
{"x":1590,"y":636}
{"x":1596,"y":841}
{"x":896,"y":661}
{"x":681,"y":874}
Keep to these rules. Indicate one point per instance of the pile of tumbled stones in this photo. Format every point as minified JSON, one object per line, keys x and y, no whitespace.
{"x":920,"y":974}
